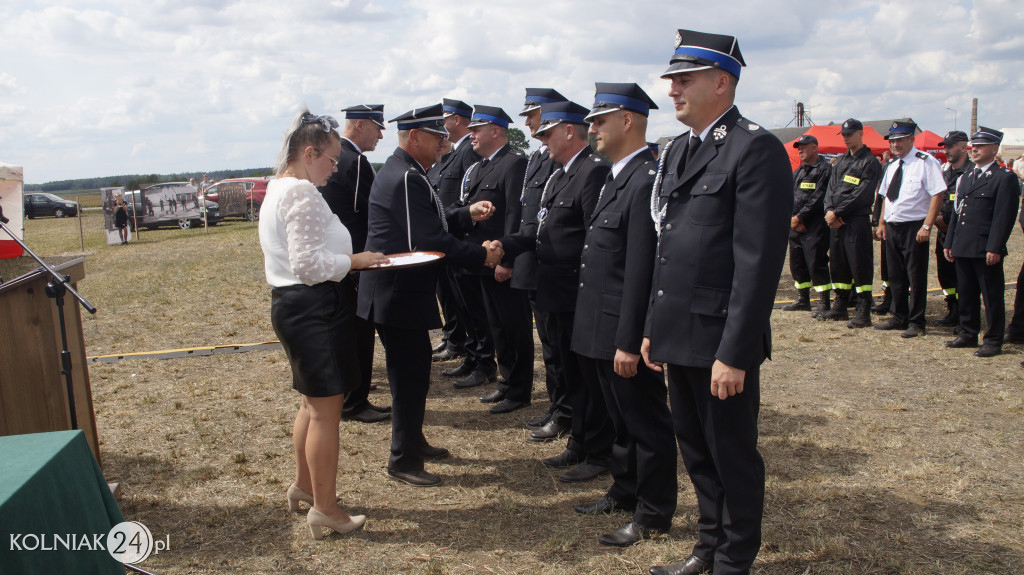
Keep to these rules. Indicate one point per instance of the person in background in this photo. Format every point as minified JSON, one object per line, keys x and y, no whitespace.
{"x":808,"y":235}
{"x":957,"y":164}
{"x":121,"y":220}
{"x":307,"y":256}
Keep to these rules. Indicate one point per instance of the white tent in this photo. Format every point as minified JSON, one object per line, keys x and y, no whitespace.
{"x":1013,"y":143}
{"x":11,"y":181}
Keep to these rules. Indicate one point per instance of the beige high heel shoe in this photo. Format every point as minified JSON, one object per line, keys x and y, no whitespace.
{"x":295,"y":495}
{"x":316,"y":520}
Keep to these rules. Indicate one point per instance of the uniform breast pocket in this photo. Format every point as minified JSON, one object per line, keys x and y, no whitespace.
{"x":709,"y":205}
{"x":562,"y":204}
{"x":606,"y":236}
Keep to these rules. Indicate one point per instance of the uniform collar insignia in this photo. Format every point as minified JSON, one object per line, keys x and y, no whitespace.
{"x":720,"y":133}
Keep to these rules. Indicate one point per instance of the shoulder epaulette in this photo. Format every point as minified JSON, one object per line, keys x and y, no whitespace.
{"x":922,"y":155}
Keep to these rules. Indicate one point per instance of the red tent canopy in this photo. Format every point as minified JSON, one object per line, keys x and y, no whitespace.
{"x":830,"y":142}
{"x":927,"y":141}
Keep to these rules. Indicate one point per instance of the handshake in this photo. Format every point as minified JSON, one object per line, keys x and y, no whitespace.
{"x":494,"y":253}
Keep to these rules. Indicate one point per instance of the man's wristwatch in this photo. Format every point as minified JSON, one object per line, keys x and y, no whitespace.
{"x":926,"y":227}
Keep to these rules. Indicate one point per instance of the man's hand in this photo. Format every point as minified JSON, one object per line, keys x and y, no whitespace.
{"x":948,"y":253}
{"x":795,"y":224}
{"x":833,"y":220}
{"x":992,"y":258}
{"x":940,"y":222}
{"x":726,"y":380}
{"x":645,"y":350}
{"x":502,"y":273}
{"x":480,"y":211}
{"x":494,"y":253}
{"x":626,"y":363}
{"x":923,"y":236}
{"x":877,"y":233}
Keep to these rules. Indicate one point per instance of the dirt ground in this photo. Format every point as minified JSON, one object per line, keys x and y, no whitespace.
{"x":883,"y":455}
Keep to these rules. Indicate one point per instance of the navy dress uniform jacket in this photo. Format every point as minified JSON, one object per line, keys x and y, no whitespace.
{"x":559,"y":241}
{"x":402,"y":201}
{"x":721,"y":249}
{"x":446,"y":175}
{"x":615,"y":271}
{"x":988,"y":209}
{"x":538,"y":169}
{"x":499,"y":182}
{"x":347,"y":192}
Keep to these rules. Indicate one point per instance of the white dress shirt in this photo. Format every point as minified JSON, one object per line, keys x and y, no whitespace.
{"x":922,"y":179}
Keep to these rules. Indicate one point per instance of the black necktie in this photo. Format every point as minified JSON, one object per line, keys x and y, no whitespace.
{"x":691,"y":148}
{"x":977,"y":173}
{"x":483,"y":164}
{"x":894,"y":186}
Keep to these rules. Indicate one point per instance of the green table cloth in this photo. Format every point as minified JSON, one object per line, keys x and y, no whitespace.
{"x":54,"y":506}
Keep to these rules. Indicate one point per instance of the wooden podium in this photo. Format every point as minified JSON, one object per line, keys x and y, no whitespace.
{"x":33,"y":392}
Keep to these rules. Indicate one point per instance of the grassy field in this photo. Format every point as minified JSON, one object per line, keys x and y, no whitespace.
{"x":883,"y":455}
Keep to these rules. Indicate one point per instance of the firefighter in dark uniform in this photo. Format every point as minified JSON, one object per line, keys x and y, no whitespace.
{"x":722,"y":204}
{"x":848,"y":204}
{"x":347,"y":193}
{"x":957,"y":164}
{"x":446,"y":176}
{"x":556,"y":420}
{"x":808,"y":234}
{"x":567,"y":202}
{"x":406,"y":215}
{"x":498,"y":178}
{"x":611,"y":309}
{"x":1015,"y":330}
{"x":985,"y":208}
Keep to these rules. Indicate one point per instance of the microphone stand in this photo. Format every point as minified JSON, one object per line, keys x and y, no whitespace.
{"x":56,"y":289}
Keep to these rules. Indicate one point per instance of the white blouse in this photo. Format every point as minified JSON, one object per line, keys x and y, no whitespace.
{"x":302,"y":240}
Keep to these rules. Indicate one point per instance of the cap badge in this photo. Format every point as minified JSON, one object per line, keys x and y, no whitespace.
{"x":846,"y":124}
{"x":893,"y":126}
{"x":720,"y":132}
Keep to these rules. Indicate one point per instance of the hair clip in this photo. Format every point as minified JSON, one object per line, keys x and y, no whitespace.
{"x":326,"y":122}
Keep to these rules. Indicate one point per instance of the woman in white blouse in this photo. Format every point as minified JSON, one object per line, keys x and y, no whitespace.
{"x":307,"y":255}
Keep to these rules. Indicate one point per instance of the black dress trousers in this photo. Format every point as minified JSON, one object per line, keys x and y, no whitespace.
{"x":508,"y":312}
{"x":907,"y":260}
{"x":358,"y":399}
{"x":407,"y":352}
{"x":729,"y":481}
{"x":643,"y":462}
{"x":976,"y":281}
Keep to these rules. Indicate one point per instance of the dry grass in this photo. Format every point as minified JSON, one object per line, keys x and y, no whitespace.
{"x":884,"y":455}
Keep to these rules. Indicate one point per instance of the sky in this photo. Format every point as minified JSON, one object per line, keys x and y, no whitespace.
{"x":91,"y":89}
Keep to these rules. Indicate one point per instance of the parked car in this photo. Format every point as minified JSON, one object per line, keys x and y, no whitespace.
{"x":171,"y":203}
{"x":239,"y":196}
{"x":42,"y":204}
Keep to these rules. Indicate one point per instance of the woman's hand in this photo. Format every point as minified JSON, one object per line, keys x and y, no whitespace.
{"x":364,"y":260}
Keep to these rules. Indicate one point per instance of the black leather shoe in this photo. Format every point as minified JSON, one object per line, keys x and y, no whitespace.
{"x":585,"y":471}
{"x":493,"y":397}
{"x":440,"y":347}
{"x":417,"y":478}
{"x":629,"y":535}
{"x":507,"y":406}
{"x":963,"y":341}
{"x":913,"y":330}
{"x":548,"y":432}
{"x":988,"y":350}
{"x":447,"y":354}
{"x":604,"y":506}
{"x":430,"y":452}
{"x":567,"y":458}
{"x":463,"y":370}
{"x":891,"y":324}
{"x":367,"y":415}
{"x":692,"y":566}
{"x":539,"y":421}
{"x":475,"y":379}
{"x":381,"y":408}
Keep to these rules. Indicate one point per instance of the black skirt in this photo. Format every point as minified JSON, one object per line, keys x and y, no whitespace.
{"x":316,"y":327}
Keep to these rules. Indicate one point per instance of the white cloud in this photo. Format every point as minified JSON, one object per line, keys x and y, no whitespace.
{"x":118,"y":87}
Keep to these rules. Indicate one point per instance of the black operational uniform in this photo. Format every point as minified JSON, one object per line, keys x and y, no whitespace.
{"x":945,"y":269}
{"x":406,"y":215}
{"x":347,"y":192}
{"x":539,"y":168}
{"x":851,"y":195}
{"x":567,"y":202}
{"x":1015,"y":329}
{"x":808,"y":250}
{"x":983,"y":218}
{"x":611,"y":309}
{"x":499,"y":180}
{"x":446,"y":176}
